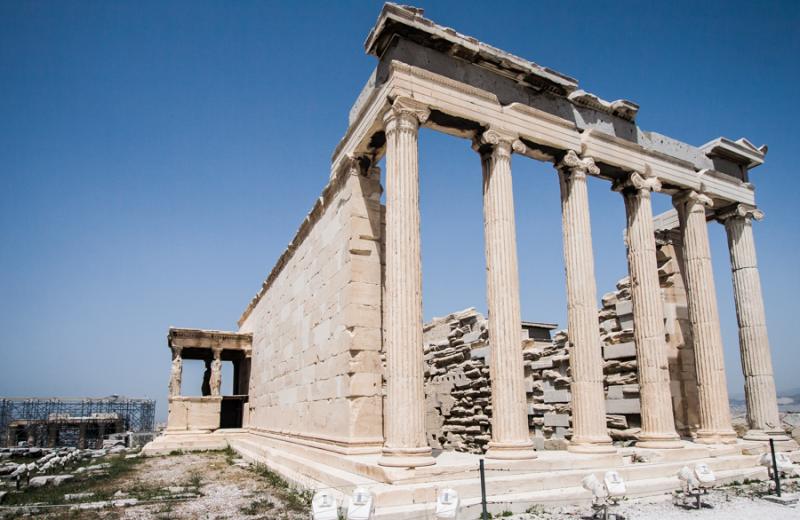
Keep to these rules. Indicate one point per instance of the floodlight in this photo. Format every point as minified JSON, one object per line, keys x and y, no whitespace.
{"x":705,"y":476}
{"x":592,"y":484}
{"x":765,"y":460}
{"x":323,"y":506}
{"x":361,"y":505}
{"x":615,"y":486}
{"x":688,"y":478}
{"x":447,"y":504}
{"x":783,"y":461}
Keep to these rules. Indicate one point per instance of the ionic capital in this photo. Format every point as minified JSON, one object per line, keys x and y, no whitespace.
{"x":572,"y":164}
{"x":176,"y":351}
{"x":216,"y":351}
{"x":692,"y":197}
{"x":641,"y":182}
{"x":406,"y":113}
{"x":498,"y":141}
{"x":742,"y":211}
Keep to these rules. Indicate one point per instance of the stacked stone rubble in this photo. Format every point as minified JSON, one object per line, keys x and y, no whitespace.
{"x":457,"y":384}
{"x":548,"y":374}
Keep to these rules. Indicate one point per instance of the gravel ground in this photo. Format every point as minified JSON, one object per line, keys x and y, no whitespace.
{"x":208,"y":486}
{"x":730,"y":503}
{"x":227,"y":491}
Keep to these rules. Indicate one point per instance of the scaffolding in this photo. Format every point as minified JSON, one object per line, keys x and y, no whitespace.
{"x":72,"y":421}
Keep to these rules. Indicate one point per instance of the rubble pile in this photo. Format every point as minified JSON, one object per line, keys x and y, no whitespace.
{"x":457,"y":385}
{"x":547,"y":376}
{"x":35,"y":467}
{"x":458,"y":388}
{"x":620,"y":368}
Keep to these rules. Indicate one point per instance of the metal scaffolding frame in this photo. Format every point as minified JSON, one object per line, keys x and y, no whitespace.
{"x":42,"y":415}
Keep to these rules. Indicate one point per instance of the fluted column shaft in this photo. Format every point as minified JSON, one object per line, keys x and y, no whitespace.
{"x":589,"y":431}
{"x":405,"y":444}
{"x":658,"y":423}
{"x":759,"y":383}
{"x":715,"y":414}
{"x":176,"y":372}
{"x":510,"y":432}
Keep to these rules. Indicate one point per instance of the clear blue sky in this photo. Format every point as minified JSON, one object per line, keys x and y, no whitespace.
{"x":157,"y":157}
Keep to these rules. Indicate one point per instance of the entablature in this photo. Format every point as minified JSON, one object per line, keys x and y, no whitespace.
{"x":463,"y":110}
{"x":200,"y":343}
{"x":467,"y":84}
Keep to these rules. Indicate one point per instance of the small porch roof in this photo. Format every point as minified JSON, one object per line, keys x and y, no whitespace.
{"x":199,"y":343}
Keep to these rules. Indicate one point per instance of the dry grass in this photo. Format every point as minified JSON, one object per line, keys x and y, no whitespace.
{"x":204,"y":485}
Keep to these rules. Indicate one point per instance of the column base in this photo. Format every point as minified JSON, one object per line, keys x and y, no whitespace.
{"x":715,"y":437}
{"x":765,"y":436}
{"x":406,"y":457}
{"x":591,"y":444}
{"x":521,"y":450}
{"x":782,"y":441}
{"x":668,"y":441}
{"x":591,"y":448}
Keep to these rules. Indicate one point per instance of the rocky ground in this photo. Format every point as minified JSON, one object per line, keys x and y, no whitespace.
{"x":217,"y":485}
{"x":210,"y":485}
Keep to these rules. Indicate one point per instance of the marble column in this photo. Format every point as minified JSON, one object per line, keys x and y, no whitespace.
{"x":405,"y":444}
{"x":658,"y":424}
{"x":510,"y":432}
{"x":176,"y":372}
{"x":216,"y":372}
{"x":589,"y":430}
{"x":759,"y":384}
{"x":715,"y":414}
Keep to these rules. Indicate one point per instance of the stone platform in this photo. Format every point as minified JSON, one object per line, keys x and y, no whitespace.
{"x":554,"y":477}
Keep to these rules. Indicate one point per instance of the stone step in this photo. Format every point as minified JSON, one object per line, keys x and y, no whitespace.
{"x":575,"y":495}
{"x":551,"y":477}
{"x":508,"y":482}
{"x":359,"y":464}
{"x":302,"y":471}
{"x":165,"y":444}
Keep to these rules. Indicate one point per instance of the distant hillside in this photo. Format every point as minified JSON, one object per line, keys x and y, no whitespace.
{"x":788,"y":401}
{"x":790,"y":392}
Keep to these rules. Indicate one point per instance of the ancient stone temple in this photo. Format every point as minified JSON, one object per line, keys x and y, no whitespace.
{"x":331,"y":363}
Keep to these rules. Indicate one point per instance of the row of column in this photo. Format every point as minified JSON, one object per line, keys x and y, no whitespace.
{"x":212,"y":377}
{"x":405,"y":443}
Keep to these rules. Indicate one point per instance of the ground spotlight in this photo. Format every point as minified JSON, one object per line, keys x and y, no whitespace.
{"x":785,"y":465}
{"x":697,"y":482}
{"x":605,"y":494}
{"x":323,"y":506}
{"x":361,"y":506}
{"x":447,"y":504}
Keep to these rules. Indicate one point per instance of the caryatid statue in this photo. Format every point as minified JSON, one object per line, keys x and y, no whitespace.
{"x":216,"y":372}
{"x":175,"y":372}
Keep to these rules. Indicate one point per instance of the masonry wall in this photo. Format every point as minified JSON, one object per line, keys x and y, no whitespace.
{"x":316,"y":325}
